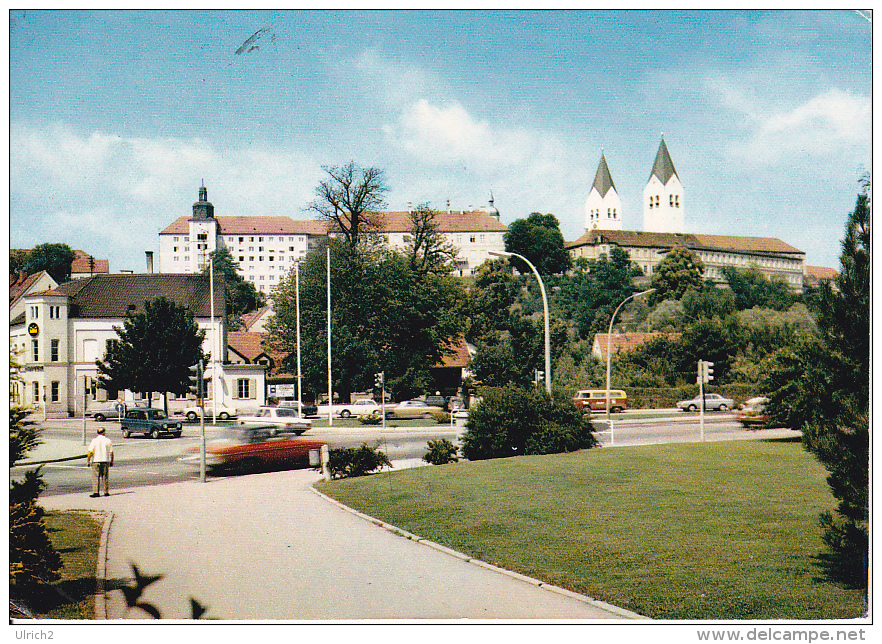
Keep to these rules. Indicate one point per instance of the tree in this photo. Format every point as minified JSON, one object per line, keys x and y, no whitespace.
{"x":538,"y":238}
{"x":753,"y":289}
{"x":680,"y":270}
{"x":55,"y":259}
{"x":823,"y":388}
{"x":155,"y":351}
{"x":426,"y":248}
{"x":18,"y":260}
{"x":708,"y":304}
{"x":350,"y":198}
{"x":241,"y":296}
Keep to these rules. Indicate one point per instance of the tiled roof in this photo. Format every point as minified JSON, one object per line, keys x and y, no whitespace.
{"x":722,"y":243}
{"x":816,"y":274}
{"x":19,"y":285}
{"x":447,"y":222}
{"x":621,"y":342}
{"x":255,"y":226}
{"x":246,"y":344}
{"x":603,"y":180}
{"x":459,"y":358}
{"x":110,"y":296}
{"x":250,"y":319}
{"x":81,"y":264}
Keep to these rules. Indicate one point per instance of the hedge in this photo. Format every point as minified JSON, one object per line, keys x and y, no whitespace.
{"x":662,"y":397}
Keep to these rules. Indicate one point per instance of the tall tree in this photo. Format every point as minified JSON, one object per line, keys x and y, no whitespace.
{"x":241,"y":296}
{"x":155,"y":351}
{"x":680,"y":270}
{"x":538,"y":238}
{"x":426,"y":247}
{"x":753,"y":289}
{"x":350,"y":198}
{"x":823,"y":389}
{"x":55,"y":259}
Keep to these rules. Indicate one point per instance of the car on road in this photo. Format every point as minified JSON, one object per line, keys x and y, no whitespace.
{"x":415,"y":409}
{"x":306,"y":410}
{"x":150,"y":422}
{"x":754,"y":412}
{"x":283,"y":420}
{"x":595,"y":400}
{"x":361,"y":407}
{"x":223,"y":412}
{"x":249,"y":448}
{"x":112,"y":409}
{"x":711,"y":402}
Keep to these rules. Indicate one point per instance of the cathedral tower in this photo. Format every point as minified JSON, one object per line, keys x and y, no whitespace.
{"x":663,"y":196}
{"x":603,"y":208}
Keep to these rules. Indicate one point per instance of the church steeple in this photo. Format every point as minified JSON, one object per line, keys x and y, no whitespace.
{"x":663,"y":196}
{"x":203,"y":209}
{"x":603,"y":208}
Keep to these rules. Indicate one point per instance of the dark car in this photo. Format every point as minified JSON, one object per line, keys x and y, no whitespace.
{"x":150,"y":422}
{"x":308,"y":410}
{"x":437,"y":401}
{"x":249,"y":448}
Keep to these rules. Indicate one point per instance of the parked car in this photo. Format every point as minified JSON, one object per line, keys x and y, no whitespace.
{"x":150,"y":422}
{"x":415,"y":409}
{"x":753,"y":412}
{"x":307,"y":410}
{"x":253,"y":448}
{"x":595,"y":400}
{"x":223,"y":412}
{"x":112,"y":409}
{"x":361,"y":407}
{"x":711,"y":402}
{"x":437,"y":401}
{"x":284,"y":420}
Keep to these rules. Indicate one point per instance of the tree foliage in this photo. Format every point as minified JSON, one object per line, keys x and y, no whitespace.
{"x":350,"y":198}
{"x":426,"y":248}
{"x":753,"y":289}
{"x":241,"y":295}
{"x":155,"y":351}
{"x":55,"y":259}
{"x":822,"y":388}
{"x":538,"y":238}
{"x":680,"y":270}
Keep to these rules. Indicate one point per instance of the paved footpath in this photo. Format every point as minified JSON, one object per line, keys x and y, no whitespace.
{"x":268,"y":547}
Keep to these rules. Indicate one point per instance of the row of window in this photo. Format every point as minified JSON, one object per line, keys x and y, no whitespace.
{"x":244,"y":390}
{"x":674,"y":202}
{"x":54,"y":313}
{"x":610,"y":213}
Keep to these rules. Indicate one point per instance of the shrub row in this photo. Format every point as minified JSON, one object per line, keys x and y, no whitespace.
{"x":661,"y":397}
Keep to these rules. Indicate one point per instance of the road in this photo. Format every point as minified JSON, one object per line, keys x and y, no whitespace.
{"x":143,"y":461}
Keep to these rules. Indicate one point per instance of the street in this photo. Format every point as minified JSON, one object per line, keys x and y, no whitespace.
{"x":143,"y":461}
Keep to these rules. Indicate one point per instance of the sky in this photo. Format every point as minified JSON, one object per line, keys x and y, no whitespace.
{"x":116,"y":118}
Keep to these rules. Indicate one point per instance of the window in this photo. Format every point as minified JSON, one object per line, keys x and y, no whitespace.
{"x":54,"y":390}
{"x":201,"y":236}
{"x":36,"y":391}
{"x":176,"y":239}
{"x":472,"y":239}
{"x":241,"y":258}
{"x":53,"y":350}
{"x":243,"y":388}
{"x":650,"y":203}
{"x":35,"y":345}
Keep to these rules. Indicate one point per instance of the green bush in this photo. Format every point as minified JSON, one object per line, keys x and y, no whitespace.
{"x":441,"y":452}
{"x":373,"y":418}
{"x":441,"y":417}
{"x":346,"y":462}
{"x":510,"y":421}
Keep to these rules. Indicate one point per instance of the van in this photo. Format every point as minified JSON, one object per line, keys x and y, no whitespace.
{"x":595,"y":400}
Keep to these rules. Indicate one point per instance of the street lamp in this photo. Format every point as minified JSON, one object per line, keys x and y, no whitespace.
{"x":609,"y":357}
{"x":544,"y":309}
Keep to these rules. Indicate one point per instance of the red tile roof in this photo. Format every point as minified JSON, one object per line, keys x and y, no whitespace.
{"x":19,"y":285}
{"x":255,"y":226}
{"x":621,"y":342}
{"x":447,"y":222}
{"x":722,"y":243}
{"x":81,"y":264}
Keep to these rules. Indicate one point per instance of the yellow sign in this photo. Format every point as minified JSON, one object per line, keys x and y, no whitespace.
{"x":33,"y":329}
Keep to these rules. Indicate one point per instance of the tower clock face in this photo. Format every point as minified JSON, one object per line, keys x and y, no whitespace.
{"x":33,"y":329}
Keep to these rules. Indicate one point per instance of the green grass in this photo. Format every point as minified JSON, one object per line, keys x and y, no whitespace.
{"x":686,"y":531}
{"x":75,"y":536}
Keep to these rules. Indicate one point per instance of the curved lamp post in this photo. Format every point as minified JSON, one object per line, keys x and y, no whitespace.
{"x":609,"y":357}
{"x":544,"y":310}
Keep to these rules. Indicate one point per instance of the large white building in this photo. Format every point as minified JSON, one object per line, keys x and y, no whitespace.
{"x":56,"y":335}
{"x":664,"y":228}
{"x":266,"y":247}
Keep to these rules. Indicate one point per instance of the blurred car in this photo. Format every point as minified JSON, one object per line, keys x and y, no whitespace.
{"x":150,"y":422}
{"x":248,"y":448}
{"x":113,"y":409}
{"x":306,"y":410}
{"x":437,"y":401}
{"x":223,"y":412}
{"x":284,"y":420}
{"x":753,"y":412}
{"x":711,"y":402}
{"x":415,"y":409}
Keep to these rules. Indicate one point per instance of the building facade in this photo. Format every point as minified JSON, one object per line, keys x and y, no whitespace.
{"x":62,"y":331}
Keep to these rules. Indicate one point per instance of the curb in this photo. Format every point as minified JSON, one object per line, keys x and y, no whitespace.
{"x":49,"y":460}
{"x":621,"y":612}
{"x":101,"y":571}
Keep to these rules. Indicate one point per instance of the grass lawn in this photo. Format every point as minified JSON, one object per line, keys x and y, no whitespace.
{"x":722,"y":530}
{"x":75,"y":536}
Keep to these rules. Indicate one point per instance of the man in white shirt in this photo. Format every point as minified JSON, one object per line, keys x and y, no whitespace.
{"x":100,"y":457}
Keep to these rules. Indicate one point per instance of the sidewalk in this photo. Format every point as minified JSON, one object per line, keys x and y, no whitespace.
{"x":268,"y":547}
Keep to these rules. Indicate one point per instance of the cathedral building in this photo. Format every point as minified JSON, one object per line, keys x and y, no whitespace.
{"x":664,"y":227}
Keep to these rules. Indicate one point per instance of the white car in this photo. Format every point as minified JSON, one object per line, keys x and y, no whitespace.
{"x":361,"y":407}
{"x":223,"y":412}
{"x":286,"y":420}
{"x":711,"y":402}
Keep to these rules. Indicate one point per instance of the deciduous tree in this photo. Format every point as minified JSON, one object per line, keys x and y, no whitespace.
{"x":680,"y":270}
{"x":350,"y":198}
{"x":538,"y":238}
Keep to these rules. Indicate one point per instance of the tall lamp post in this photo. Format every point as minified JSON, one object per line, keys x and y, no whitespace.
{"x":609,"y":423}
{"x":544,"y":310}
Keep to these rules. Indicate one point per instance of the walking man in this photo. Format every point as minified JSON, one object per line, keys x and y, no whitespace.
{"x":100,"y":457}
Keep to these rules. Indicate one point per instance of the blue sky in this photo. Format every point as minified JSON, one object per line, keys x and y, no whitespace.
{"x":117,"y":117}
